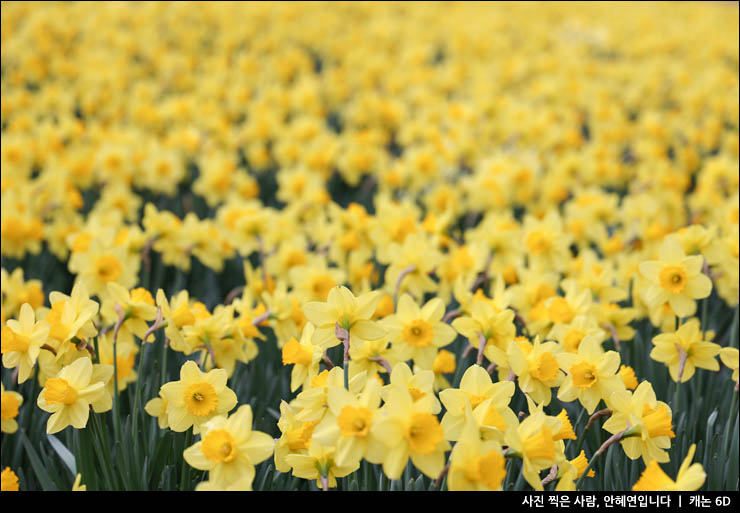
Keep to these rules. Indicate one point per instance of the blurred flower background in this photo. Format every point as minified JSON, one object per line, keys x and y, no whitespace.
{"x":369,"y":245}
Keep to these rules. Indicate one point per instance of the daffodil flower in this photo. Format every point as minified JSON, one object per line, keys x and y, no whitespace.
{"x":22,"y":340}
{"x":534,"y":440}
{"x":410,"y":430}
{"x":591,"y":374}
{"x":349,"y":425}
{"x":418,"y":332}
{"x":685,"y":350}
{"x":536,"y":368}
{"x":197,"y":397}
{"x":229,"y":449}
{"x":675,"y":279}
{"x":641,"y":410}
{"x":475,"y":465}
{"x":350,"y":313}
{"x":690,"y":477}
{"x":304,"y":356}
{"x":475,"y":388}
{"x":69,"y":395}
{"x":11,"y":401}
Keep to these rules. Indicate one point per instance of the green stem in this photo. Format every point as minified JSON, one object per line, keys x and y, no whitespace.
{"x":185,"y":474}
{"x":507,"y":478}
{"x":596,"y":416}
{"x":519,"y":484}
{"x":27,"y":412}
{"x":579,"y":444}
{"x":147,"y":278}
{"x":101,"y":441}
{"x":676,"y":396}
{"x":163,"y":370}
{"x":609,"y":442}
{"x":407,"y":270}
{"x":459,"y":366}
{"x":137,"y":402}
{"x":704,"y":310}
{"x":116,"y":400}
{"x":342,"y":333}
{"x":345,"y":368}
{"x":730,"y":422}
{"x":97,"y":351}
{"x":588,"y":468}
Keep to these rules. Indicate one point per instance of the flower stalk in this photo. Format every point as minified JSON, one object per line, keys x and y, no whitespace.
{"x":343,"y":335}
{"x":404,"y":272}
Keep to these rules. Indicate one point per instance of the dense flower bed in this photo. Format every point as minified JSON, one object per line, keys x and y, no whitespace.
{"x":369,"y":246}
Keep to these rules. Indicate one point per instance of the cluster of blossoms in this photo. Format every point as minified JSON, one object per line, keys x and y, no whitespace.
{"x":523,"y":183}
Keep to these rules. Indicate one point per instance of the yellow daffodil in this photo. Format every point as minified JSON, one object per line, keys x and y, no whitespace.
{"x":419,"y":384}
{"x":351,"y":313}
{"x":685,"y":350}
{"x":690,"y":477}
{"x":627,"y":374}
{"x":533,"y":440}
{"x":304,"y":356}
{"x":319,"y":463}
{"x":177,"y":313}
{"x":591,"y":375}
{"x":475,"y":388}
{"x":311,"y":402}
{"x":536,"y":368}
{"x":411,"y":262}
{"x":229,"y":449}
{"x":729,"y":357}
{"x":494,"y":417}
{"x":371,"y":356}
{"x":197,"y":397}
{"x":296,"y":436}
{"x":412,"y":177}
{"x":102,"y":264}
{"x":495,"y":326}
{"x":71,"y":317}
{"x":410,"y":430}
{"x":22,"y":340}
{"x":418,"y":332}
{"x":675,"y":279}
{"x":137,"y":307}
{"x":642,"y":411}
{"x":157,"y":407}
{"x":11,"y":401}
{"x":475,"y":465}
{"x":572,"y":470}
{"x":546,"y":241}
{"x":349,"y":425}
{"x":9,"y":481}
{"x":444,"y":363}
{"x":69,"y":395}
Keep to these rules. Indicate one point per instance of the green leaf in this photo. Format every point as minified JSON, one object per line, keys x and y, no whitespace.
{"x":608,"y":476}
{"x":66,"y":456}
{"x":263,"y":482}
{"x":159,"y":460}
{"x":708,"y":436}
{"x":167,"y":482}
{"x":47,"y":484}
